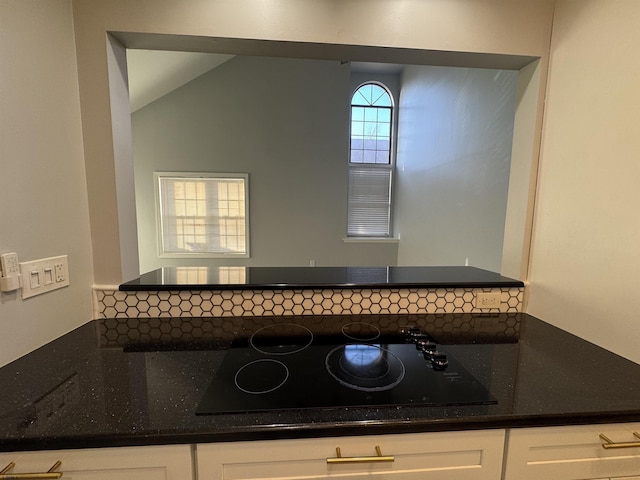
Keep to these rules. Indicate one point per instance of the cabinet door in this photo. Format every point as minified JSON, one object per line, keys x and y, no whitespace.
{"x":473,"y":455}
{"x":574,"y":452}
{"x":126,"y":463}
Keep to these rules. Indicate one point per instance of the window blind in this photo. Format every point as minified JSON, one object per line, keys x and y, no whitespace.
{"x":369,"y":209}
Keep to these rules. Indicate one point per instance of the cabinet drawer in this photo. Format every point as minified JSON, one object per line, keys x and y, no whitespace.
{"x":125,"y":463}
{"x":574,"y":452}
{"x":471,"y":455}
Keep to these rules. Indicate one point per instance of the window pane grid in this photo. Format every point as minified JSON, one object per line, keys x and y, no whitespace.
{"x":371,"y":94}
{"x":371,"y":135}
{"x":203,"y":215}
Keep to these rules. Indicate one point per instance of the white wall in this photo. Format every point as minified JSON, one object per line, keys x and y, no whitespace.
{"x":43,"y":196}
{"x":525,"y":152}
{"x":585,"y":262}
{"x":454,"y":153}
{"x":285,"y":123}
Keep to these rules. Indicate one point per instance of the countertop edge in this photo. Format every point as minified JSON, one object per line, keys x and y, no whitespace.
{"x":301,"y":431}
{"x":312,"y":286}
{"x":304,"y":278}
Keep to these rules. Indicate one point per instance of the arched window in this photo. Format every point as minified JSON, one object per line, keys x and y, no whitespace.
{"x":370,"y":162}
{"x":371,"y":114}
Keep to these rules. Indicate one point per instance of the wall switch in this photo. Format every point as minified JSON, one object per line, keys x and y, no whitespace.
{"x":47,"y":278}
{"x":44,"y":275}
{"x":34,"y":279}
{"x":488,"y":300}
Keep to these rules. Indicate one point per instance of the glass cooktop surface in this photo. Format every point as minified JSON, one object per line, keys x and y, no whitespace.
{"x":287,"y":366}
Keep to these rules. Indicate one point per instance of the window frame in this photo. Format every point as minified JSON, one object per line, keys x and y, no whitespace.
{"x":157,"y":178}
{"x":391,"y":109}
{"x":388,"y":167}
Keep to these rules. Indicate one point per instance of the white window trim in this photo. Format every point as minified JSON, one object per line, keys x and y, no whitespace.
{"x":159,"y":248}
{"x":371,"y":239}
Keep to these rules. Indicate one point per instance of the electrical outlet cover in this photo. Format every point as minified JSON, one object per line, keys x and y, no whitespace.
{"x":488,"y":300}
{"x":37,"y":269}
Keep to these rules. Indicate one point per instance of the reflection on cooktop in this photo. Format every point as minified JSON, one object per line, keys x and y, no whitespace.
{"x":368,"y":368}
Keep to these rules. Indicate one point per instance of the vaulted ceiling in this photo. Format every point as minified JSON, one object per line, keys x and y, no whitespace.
{"x":154,"y":73}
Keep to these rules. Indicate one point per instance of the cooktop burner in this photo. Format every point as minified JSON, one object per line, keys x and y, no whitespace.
{"x":286,"y":366}
{"x":368,"y":368}
{"x":361,"y":332}
{"x":261,"y":376}
{"x":281,"y":339}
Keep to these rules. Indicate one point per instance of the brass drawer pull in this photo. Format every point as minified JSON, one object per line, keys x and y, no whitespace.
{"x":51,"y":473}
{"x":607,"y":443}
{"x":376,"y":458}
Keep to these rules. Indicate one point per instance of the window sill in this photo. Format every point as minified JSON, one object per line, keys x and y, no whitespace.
{"x":203,"y":255}
{"x":371,"y":240}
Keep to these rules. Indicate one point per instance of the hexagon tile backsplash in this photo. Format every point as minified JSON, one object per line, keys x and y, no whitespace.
{"x":109,"y":302}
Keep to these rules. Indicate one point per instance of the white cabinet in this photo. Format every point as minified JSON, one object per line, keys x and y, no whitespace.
{"x":473,"y":455}
{"x":125,"y":463}
{"x":574,"y":452}
{"x":549,"y":453}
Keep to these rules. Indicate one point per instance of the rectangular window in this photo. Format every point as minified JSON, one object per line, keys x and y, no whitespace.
{"x":202,"y":214}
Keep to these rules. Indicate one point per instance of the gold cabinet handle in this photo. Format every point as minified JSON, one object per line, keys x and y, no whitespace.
{"x":608,"y":443}
{"x":51,"y":473}
{"x":376,"y":458}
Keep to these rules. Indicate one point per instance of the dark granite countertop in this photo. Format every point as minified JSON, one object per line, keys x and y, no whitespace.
{"x":226,"y":278}
{"x":121,"y":382}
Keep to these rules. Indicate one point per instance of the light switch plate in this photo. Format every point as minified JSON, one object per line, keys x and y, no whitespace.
{"x":44,"y":275}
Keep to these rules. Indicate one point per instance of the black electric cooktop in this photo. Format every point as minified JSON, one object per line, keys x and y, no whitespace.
{"x":287,"y":366}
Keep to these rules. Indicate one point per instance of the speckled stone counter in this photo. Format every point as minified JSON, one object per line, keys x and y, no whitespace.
{"x":141,"y":385}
